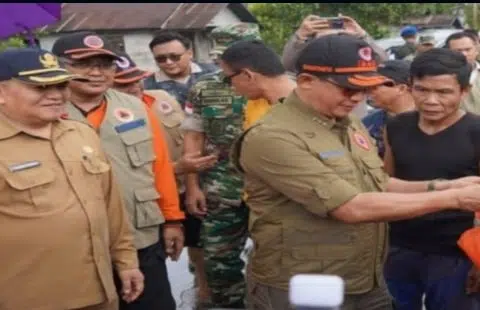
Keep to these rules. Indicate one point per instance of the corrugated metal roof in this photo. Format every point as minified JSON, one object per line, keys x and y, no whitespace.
{"x":121,"y":16}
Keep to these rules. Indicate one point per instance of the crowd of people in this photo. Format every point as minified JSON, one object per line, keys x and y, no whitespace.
{"x":107,"y":170}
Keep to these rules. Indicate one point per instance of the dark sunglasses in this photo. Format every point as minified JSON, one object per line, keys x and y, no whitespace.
{"x":172,"y":57}
{"x":350,"y":92}
{"x":227,"y":79}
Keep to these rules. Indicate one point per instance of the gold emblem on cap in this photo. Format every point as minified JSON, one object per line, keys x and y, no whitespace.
{"x":49,"y":61}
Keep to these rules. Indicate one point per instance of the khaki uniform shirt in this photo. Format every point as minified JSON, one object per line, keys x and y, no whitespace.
{"x":294,"y":177}
{"x":62,"y":220}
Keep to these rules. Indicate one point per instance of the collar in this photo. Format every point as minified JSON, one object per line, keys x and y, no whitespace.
{"x":160,"y":76}
{"x":149,"y":100}
{"x":474,"y":74}
{"x":9,"y":129}
{"x":295,"y":102}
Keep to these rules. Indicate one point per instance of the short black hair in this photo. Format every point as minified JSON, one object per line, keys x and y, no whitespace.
{"x":439,"y":61}
{"x":253,"y":55}
{"x":460,"y":35}
{"x":166,"y":36}
{"x":473,"y":32}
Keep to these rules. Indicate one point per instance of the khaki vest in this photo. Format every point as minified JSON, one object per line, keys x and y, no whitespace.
{"x":289,"y":239}
{"x":171,"y":115}
{"x":126,"y":138}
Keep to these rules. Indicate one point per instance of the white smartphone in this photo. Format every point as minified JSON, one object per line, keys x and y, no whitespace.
{"x":316,"y":292}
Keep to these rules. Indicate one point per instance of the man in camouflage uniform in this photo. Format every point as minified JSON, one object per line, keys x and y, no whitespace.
{"x":214,"y":121}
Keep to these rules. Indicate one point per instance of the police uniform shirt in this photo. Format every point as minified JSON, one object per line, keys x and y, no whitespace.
{"x":63,"y":221}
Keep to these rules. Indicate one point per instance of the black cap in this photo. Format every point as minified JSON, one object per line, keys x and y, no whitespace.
{"x":343,"y":58}
{"x":127,"y":71}
{"x":82,"y":45}
{"x":396,"y":70}
{"x":33,"y":66}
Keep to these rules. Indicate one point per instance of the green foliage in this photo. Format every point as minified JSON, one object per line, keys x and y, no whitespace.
{"x":17,"y":41}
{"x":280,"y":20}
{"x":11,"y":42}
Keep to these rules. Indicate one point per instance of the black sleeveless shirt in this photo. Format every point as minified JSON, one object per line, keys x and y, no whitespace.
{"x":452,"y":153}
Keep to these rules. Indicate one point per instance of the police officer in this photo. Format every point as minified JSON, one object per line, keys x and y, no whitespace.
{"x":132,"y":138}
{"x":315,"y":188}
{"x":63,"y":220}
{"x":214,"y":120}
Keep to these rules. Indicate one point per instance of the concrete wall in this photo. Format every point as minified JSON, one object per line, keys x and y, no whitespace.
{"x":136,"y":45}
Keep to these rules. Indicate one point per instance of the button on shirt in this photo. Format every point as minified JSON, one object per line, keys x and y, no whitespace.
{"x":63,"y":221}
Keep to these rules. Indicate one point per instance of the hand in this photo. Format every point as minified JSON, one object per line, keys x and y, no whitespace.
{"x":473,"y":281}
{"x":132,"y":284}
{"x":457,"y":183}
{"x":196,"y":202}
{"x":174,"y":238}
{"x":195,"y":162}
{"x":311,"y":25}
{"x":468,"y":198}
{"x":352,"y":27}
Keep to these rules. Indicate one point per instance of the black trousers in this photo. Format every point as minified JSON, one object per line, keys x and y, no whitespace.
{"x":157,"y":293}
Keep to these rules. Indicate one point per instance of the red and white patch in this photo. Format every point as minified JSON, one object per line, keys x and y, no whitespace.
{"x":64,"y":116}
{"x":165,"y":107}
{"x":365,"y":53}
{"x":93,"y":42}
{"x":188,"y":108}
{"x":123,"y":115}
{"x":361,"y":141}
{"x":122,"y":63}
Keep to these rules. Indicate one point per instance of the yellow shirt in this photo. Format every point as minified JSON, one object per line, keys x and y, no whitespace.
{"x":254,"y":110}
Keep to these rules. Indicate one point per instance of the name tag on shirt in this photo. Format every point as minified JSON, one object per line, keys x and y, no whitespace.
{"x":331,"y":154}
{"x":24,"y":166}
{"x":130,"y":125}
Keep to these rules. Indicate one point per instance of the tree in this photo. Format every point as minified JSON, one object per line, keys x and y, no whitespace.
{"x":280,"y":20}
{"x":16,"y":41}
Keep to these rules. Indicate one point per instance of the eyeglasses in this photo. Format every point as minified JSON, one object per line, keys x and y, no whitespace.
{"x":89,"y":64}
{"x":227,"y":79}
{"x":350,"y":92}
{"x":173,"y":57}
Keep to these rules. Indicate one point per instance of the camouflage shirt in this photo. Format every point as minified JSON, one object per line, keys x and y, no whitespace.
{"x":213,"y":108}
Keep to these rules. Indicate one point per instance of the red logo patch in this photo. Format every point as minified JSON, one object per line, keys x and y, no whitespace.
{"x":93,"y":41}
{"x":365,"y":53}
{"x":361,"y":141}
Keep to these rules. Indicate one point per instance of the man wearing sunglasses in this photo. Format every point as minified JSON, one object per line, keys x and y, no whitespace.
{"x":315,"y":183}
{"x":214,"y":120}
{"x":390,"y":99}
{"x":177,"y":71}
{"x":132,"y":137}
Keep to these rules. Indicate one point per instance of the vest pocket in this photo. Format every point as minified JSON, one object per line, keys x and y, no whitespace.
{"x":147,"y":212}
{"x":139,"y":146}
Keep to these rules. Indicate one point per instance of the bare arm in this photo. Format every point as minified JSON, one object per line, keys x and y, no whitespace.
{"x":381,"y":207}
{"x":193,"y":142}
{"x":292,"y":49}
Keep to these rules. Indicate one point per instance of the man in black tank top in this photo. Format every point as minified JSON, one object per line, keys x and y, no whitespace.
{"x":439,"y":141}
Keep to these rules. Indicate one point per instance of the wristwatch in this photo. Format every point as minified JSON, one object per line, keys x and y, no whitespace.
{"x":431,"y":184}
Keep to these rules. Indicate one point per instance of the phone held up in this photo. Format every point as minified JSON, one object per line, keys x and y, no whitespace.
{"x":335,"y":22}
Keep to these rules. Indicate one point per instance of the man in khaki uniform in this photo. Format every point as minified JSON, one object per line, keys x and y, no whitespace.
{"x":314,"y":189}
{"x":62,"y":215}
{"x":135,"y":144}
